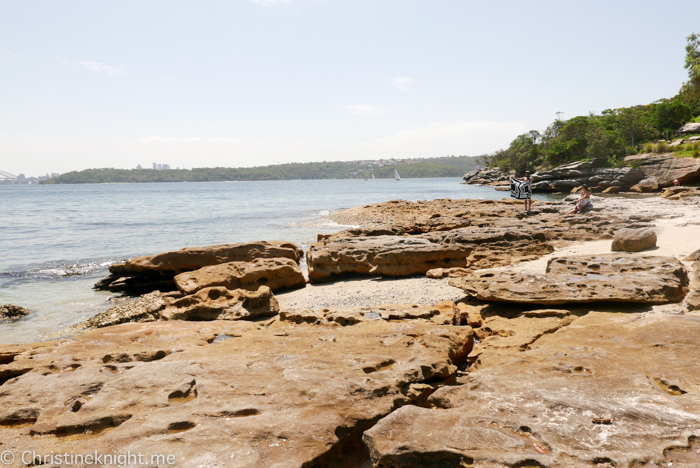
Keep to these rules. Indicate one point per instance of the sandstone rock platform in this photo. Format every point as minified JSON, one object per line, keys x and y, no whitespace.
{"x":584,"y":279}
{"x":222,"y":394}
{"x":599,"y":388}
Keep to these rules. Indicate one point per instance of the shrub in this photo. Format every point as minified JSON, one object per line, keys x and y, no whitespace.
{"x":661,"y":147}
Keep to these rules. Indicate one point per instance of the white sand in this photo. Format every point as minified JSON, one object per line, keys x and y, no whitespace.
{"x":369,"y":292}
{"x":677,"y":231}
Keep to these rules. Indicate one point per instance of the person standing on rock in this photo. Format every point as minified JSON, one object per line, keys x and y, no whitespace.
{"x":526,"y":191}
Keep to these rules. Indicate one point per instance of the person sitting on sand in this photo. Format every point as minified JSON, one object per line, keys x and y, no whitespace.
{"x":583,"y":202}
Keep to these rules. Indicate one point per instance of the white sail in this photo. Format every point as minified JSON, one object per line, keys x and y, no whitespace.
{"x":396,"y":175}
{"x":373,"y":176}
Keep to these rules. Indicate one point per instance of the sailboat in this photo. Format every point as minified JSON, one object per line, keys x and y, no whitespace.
{"x":396,"y":175}
{"x":373,"y":176}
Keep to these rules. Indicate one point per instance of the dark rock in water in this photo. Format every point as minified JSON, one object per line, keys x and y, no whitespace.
{"x":12,"y":312}
{"x":634,"y":240}
{"x":136,"y":284}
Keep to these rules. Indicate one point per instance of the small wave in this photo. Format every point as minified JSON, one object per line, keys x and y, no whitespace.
{"x":62,"y":269}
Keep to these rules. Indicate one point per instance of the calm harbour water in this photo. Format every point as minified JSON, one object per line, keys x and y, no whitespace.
{"x":58,"y":240}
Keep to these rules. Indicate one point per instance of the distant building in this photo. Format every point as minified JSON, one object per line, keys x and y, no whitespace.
{"x":160,"y":167}
{"x":155,"y":166}
{"x":139,"y":167}
{"x":55,"y":174}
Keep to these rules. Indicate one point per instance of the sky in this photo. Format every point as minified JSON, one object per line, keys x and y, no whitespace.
{"x":234,"y":83}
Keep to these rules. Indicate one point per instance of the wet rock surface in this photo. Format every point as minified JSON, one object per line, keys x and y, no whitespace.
{"x":9,"y":312}
{"x":227,"y":394}
{"x":584,"y":279}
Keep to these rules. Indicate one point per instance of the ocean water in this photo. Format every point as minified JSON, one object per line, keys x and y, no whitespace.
{"x":58,"y":240}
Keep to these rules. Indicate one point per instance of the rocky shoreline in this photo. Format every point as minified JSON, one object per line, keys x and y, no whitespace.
{"x":649,"y":172}
{"x":445,"y":333}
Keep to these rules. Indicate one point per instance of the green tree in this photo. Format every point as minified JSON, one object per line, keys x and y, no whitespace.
{"x":692,"y":56}
{"x":690,"y":92}
{"x":671,"y":115}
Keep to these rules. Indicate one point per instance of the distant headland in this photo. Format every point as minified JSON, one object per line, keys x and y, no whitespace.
{"x":449,"y":166}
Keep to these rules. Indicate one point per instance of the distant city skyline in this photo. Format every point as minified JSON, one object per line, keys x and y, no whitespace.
{"x":257,"y":82}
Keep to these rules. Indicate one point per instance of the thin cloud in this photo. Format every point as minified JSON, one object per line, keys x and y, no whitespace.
{"x":100,"y":67}
{"x":362,"y":109}
{"x":270,"y":3}
{"x":402,"y":83}
{"x":6,"y":53}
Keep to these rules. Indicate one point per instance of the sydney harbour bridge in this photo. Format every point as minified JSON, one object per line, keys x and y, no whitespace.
{"x":7,"y":176}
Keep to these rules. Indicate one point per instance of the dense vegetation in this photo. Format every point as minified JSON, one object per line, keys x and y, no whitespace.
{"x":452,"y":166}
{"x":609,"y":137}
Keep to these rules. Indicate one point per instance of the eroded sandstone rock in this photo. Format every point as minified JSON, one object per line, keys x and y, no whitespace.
{"x":605,"y":390}
{"x":275,"y":273}
{"x":227,"y":394}
{"x":565,"y":178}
{"x":212,"y":303}
{"x":633,"y":240}
{"x":583,"y":279}
{"x":443,"y":313}
{"x":156,"y":272}
{"x":650,"y":184}
{"x":381,"y":255}
{"x":666,"y":167}
{"x":194,"y":258}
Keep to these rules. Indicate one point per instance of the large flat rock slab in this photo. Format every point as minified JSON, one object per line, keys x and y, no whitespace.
{"x":142,"y":275}
{"x":584,"y":279}
{"x":194,"y":258}
{"x":608,"y":389}
{"x":666,"y":167}
{"x":275,"y":273}
{"x":221,"y":394}
{"x":382,"y":256}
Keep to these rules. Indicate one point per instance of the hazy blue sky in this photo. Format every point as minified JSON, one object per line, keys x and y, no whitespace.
{"x":202,"y":83}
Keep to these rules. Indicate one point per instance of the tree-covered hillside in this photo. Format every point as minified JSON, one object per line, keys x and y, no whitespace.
{"x":452,"y":166}
{"x":613,"y":134}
